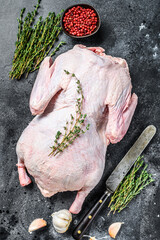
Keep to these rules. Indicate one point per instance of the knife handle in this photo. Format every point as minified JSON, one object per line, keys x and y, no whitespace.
{"x":88,"y":218}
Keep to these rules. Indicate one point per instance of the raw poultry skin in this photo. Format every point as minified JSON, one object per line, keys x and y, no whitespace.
{"x":109,"y":106}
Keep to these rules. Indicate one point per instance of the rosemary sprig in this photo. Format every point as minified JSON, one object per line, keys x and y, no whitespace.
{"x":131,"y":186}
{"x":75,"y":127}
{"x":34,"y":41}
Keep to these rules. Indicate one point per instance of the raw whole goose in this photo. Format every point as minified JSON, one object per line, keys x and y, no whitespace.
{"x":109,"y":106}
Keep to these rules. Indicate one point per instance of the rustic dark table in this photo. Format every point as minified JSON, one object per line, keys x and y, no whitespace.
{"x":131,"y":30}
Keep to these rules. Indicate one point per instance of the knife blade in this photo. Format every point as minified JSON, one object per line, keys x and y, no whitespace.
{"x":115,"y":178}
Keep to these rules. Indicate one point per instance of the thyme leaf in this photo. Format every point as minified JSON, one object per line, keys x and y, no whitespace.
{"x":75,"y":127}
{"x":34,"y":41}
{"x":135,"y":181}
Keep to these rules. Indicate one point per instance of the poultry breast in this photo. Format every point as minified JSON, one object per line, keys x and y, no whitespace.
{"x":109,"y":106}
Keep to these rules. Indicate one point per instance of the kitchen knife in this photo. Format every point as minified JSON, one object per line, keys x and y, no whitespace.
{"x":115,"y":178}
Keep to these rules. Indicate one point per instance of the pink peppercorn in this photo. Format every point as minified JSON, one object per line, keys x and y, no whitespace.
{"x":79,"y":21}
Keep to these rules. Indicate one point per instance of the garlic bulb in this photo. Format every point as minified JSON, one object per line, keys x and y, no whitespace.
{"x":114,"y":229}
{"x":37,"y":224}
{"x":61,"y":220}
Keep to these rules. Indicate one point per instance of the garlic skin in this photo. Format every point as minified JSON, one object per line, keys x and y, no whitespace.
{"x":61,"y":220}
{"x":114,"y":229}
{"x":37,"y":224}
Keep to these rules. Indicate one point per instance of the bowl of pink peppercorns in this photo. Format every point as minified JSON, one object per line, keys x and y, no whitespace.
{"x":80,"y":21}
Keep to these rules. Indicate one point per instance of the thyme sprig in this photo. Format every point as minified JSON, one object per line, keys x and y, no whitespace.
{"x":131,"y":186}
{"x":34,"y":41}
{"x":75,"y":127}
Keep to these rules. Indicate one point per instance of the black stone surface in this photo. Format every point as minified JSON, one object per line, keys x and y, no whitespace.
{"x":131,"y":30}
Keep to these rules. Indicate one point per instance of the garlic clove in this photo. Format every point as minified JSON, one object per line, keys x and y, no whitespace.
{"x":37,"y":224}
{"x":61,"y":220}
{"x":114,"y":228}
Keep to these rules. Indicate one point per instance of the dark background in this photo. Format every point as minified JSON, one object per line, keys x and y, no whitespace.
{"x":121,"y":36}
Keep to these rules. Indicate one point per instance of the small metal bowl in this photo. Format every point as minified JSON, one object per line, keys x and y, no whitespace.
{"x":84,"y":6}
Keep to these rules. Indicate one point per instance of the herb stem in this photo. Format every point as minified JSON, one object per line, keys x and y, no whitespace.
{"x":34,"y":41}
{"x":130,"y":187}
{"x":74,"y":129}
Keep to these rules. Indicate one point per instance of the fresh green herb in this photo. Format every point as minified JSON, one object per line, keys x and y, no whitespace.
{"x":131,"y":186}
{"x":72,"y":129}
{"x":34,"y":42}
